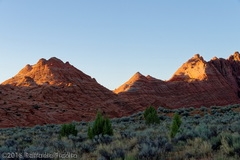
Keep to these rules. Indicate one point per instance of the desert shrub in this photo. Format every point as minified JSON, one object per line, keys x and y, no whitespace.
{"x":152,"y":148}
{"x":214,"y":111}
{"x":106,"y":139}
{"x":117,"y":149}
{"x":127,"y":134}
{"x":149,"y":152}
{"x":78,"y":138}
{"x":176,"y":123}
{"x":179,"y":111}
{"x":198,"y":148}
{"x":184,"y":136}
{"x":112,"y":154}
{"x":203,"y":109}
{"x":101,"y":126}
{"x":27,"y":139}
{"x":191,"y":108}
{"x":197,"y":116}
{"x":87,"y":148}
{"x":150,"y":115}
{"x":204,"y":132}
{"x":124,"y":119}
{"x":230,"y":144}
{"x":61,"y":146}
{"x":43,"y":142}
{"x":235,"y":127}
{"x":68,"y":129}
{"x":160,"y":109}
{"x":185,"y":113}
{"x":235,"y":106}
{"x":216,"y":142}
{"x":9,"y":143}
{"x":166,"y":110}
{"x":159,"y":142}
{"x":225,"y":109}
{"x":168,"y":147}
{"x":162,"y":117}
{"x":129,"y":158}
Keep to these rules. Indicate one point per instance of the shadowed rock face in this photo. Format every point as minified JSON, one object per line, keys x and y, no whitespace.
{"x":52,"y":91}
{"x":195,"y":83}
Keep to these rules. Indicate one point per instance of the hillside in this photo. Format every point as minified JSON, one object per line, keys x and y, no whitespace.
{"x":52,"y":91}
{"x":196,"y":83}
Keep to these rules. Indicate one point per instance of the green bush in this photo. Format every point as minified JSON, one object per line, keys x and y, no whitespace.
{"x":176,"y":123}
{"x":68,"y":129}
{"x":101,"y":126}
{"x":150,"y":115}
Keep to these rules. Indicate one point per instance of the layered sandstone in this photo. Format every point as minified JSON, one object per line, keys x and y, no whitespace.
{"x":196,"y":83}
{"x":51,"y":72}
{"x":52,"y":91}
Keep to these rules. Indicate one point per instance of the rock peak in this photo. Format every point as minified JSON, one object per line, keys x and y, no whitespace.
{"x":197,"y":57}
{"x":193,"y":69}
{"x":42,"y":61}
{"x":234,"y":57}
{"x":50,"y":61}
{"x":137,"y":76}
{"x":151,"y":78}
{"x":214,"y":58}
{"x":52,"y":71}
{"x":236,"y":53}
{"x":55,"y":59}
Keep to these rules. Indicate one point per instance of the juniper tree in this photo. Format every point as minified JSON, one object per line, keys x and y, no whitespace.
{"x":101,"y":125}
{"x":176,"y":123}
{"x":150,"y":115}
{"x":68,"y":129}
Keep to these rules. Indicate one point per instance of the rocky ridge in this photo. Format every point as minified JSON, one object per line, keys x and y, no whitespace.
{"x":52,"y":91}
{"x":196,"y":83}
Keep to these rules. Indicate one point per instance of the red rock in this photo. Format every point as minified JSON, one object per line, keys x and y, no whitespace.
{"x":52,"y":71}
{"x":52,"y":91}
{"x":196,"y":83}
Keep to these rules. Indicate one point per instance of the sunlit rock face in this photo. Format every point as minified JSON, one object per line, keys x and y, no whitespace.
{"x":52,"y":72}
{"x":195,"y":68}
{"x":196,"y":83}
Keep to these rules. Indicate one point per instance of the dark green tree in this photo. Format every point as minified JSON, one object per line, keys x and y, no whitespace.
{"x":98,"y":124}
{"x":90,"y":134}
{"x":107,"y":128}
{"x":68,"y":129}
{"x":176,"y":123}
{"x":150,"y":115}
{"x":101,"y":125}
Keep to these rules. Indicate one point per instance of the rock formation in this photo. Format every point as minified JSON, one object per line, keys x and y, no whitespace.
{"x":52,"y":91}
{"x":196,"y":83}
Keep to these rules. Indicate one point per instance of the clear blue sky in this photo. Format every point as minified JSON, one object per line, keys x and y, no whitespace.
{"x":110,"y":40}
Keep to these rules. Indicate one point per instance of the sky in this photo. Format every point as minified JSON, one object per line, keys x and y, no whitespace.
{"x":110,"y":40}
